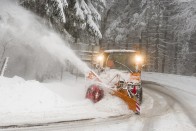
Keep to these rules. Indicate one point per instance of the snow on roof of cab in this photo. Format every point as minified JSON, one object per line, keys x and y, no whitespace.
{"x":110,"y":51}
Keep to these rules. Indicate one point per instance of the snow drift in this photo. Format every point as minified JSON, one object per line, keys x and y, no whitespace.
{"x":32,"y":102}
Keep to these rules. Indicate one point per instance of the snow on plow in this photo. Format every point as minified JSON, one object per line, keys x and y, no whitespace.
{"x":95,"y":92}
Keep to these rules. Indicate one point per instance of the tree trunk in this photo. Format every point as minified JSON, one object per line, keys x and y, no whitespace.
{"x":175,"y":58}
{"x":157,"y":43}
{"x":157,"y":49}
{"x":164,"y":46}
{"x":103,"y":27}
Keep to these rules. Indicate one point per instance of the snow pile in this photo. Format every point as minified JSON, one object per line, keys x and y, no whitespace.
{"x":186,"y":83}
{"x":51,"y":102}
{"x":112,"y":105}
{"x":74,"y":91}
{"x":25,"y":96}
{"x":19,"y":98}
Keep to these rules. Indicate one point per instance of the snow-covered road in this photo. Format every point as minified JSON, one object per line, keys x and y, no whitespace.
{"x":172,"y":109}
{"x":163,"y":108}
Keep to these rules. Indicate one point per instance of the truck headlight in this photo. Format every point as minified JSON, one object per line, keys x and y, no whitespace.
{"x":138,"y":59}
{"x":100,"y":58}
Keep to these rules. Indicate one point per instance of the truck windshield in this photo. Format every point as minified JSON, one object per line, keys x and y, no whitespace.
{"x":121,"y":61}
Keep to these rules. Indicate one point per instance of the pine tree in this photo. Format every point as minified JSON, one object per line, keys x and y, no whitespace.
{"x":76,"y":16}
{"x":184,"y":23}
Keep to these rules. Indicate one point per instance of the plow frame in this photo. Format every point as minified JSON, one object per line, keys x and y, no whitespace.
{"x":123,"y":92}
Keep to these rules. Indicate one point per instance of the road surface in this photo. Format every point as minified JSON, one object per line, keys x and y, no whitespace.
{"x":163,"y":108}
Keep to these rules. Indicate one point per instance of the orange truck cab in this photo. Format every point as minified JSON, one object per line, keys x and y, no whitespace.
{"x":129,"y":60}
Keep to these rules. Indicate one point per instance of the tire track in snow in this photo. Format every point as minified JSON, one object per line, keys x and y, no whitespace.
{"x":172,"y":101}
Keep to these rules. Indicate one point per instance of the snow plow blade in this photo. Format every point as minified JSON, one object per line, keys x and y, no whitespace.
{"x":132,"y":104}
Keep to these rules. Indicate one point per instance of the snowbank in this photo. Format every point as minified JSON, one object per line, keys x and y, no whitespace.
{"x":22,"y":100}
{"x":31,"y":102}
{"x":186,"y":83}
{"x":17,"y":93}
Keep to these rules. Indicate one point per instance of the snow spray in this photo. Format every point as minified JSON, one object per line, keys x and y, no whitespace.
{"x":25,"y":28}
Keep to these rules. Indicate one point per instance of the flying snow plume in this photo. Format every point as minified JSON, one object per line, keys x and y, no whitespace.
{"x":26,"y":29}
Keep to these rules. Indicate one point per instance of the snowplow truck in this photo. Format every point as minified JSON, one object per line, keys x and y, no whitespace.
{"x":129,"y":89}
